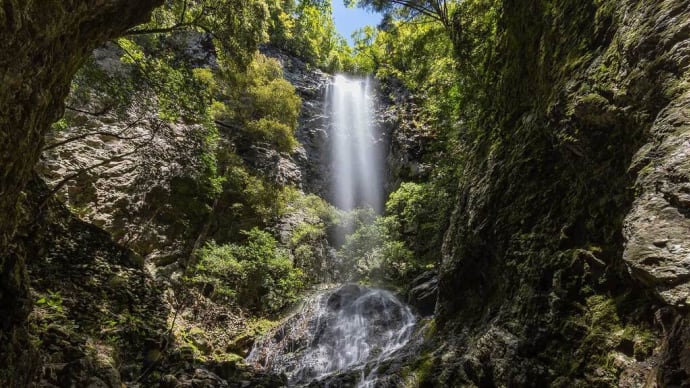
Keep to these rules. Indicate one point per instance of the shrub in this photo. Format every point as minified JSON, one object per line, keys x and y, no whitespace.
{"x":372,"y":252}
{"x":418,"y":210}
{"x":279,"y":135}
{"x":257,"y":275}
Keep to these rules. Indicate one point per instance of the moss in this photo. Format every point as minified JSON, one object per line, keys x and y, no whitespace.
{"x":429,"y":329}
{"x":417,"y":374}
{"x":605,"y":339}
{"x":232,"y":358}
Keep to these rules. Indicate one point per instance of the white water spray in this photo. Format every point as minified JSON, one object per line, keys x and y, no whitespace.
{"x":357,"y":159}
{"x":351,"y":328}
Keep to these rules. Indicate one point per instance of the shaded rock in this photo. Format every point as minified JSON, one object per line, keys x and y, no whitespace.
{"x":344,"y":296}
{"x":423,"y":291}
{"x":277,"y":168}
{"x":587,"y":150}
{"x":657,"y":248}
{"x":673,"y":368}
{"x":168,"y":381}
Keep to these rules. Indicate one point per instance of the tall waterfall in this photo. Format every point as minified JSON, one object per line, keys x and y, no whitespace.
{"x":341,"y":336}
{"x":357,"y":158}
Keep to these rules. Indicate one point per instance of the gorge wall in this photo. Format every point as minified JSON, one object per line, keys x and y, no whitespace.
{"x":44,"y":45}
{"x":566,"y":259}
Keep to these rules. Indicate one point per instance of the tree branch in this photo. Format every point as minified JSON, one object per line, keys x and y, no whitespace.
{"x":96,"y":113}
{"x":161,"y":30}
{"x":418,"y":8}
{"x":184,"y":11}
{"x":117,"y":135}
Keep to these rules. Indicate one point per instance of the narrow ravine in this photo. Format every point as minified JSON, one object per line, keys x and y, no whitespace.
{"x":348,"y":329}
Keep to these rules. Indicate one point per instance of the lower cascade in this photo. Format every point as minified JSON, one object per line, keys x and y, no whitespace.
{"x":350,"y":329}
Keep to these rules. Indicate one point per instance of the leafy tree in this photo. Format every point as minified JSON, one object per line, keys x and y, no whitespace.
{"x":374,"y":252}
{"x":158,"y":82}
{"x":437,"y":10}
{"x":369,"y":53}
{"x":236,"y":26}
{"x":306,"y":29}
{"x":419,"y":210}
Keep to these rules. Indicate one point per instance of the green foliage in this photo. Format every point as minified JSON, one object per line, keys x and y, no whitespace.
{"x":306,"y":29}
{"x":259,"y":103}
{"x":257,"y":274}
{"x":237,"y":27}
{"x":399,"y":245}
{"x":373,"y":253}
{"x":52,"y":301}
{"x":246,"y":200}
{"x":420,"y":210}
{"x":437,"y":10}
{"x":306,"y":244}
{"x":308,"y":239}
{"x":443,"y":58}
{"x":314,"y":207}
{"x":368,"y":54}
{"x":157,"y":82}
{"x":407,"y":201}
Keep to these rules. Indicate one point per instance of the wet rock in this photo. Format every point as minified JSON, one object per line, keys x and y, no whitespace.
{"x":344,"y":296}
{"x":339,"y":330}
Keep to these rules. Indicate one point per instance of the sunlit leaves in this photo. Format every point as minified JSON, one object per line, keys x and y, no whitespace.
{"x":260,"y":103}
{"x":306,"y":30}
{"x":436,"y":10}
{"x":237,"y":26}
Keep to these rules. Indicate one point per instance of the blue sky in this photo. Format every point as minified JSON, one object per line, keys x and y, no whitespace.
{"x":347,"y":20}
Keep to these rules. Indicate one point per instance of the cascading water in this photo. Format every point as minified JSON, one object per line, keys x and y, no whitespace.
{"x":357,"y":158}
{"x":352,"y":328}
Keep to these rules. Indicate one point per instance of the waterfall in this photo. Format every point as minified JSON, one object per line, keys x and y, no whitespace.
{"x":340,"y":337}
{"x":349,"y":329}
{"x":357,"y":157}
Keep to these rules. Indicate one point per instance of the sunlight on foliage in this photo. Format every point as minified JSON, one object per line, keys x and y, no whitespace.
{"x":257,"y":274}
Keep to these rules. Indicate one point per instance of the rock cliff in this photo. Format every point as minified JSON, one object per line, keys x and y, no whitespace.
{"x":566,"y":262}
{"x":43,"y":46}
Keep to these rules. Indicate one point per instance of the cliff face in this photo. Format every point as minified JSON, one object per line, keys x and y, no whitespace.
{"x":567,"y":257}
{"x":144,"y":189}
{"x":124,"y":171}
{"x":43,"y":45}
